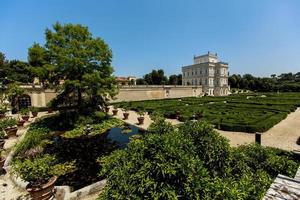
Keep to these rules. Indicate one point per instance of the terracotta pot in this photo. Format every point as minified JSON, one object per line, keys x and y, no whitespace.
{"x":34,"y":114}
{"x":141,"y":120}
{"x":2,"y":116}
{"x":2,"y":161}
{"x":11,"y":132}
{"x":25,"y":117}
{"x":50,"y":110}
{"x":115,"y":112}
{"x":42,"y":192}
{"x":20,"y":123}
{"x":2,"y":142}
{"x":125,"y":115}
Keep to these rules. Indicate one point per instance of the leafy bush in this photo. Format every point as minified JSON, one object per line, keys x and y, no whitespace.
{"x":7,"y":122}
{"x":211,"y":148}
{"x":34,"y":109}
{"x":271,"y":160}
{"x":41,"y":169}
{"x":2,"y":134}
{"x":24,"y":111}
{"x":3,"y":108}
{"x":192,"y":162}
{"x":33,"y":137}
{"x":161,"y":166}
{"x":160,"y":126}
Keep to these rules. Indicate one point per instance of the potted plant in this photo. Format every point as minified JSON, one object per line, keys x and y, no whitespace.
{"x":20,"y":122}
{"x":125,"y":112}
{"x":141,"y":117}
{"x":41,"y":172}
{"x":34,"y":111}
{"x":115,"y":110}
{"x":25,"y":114}
{"x":10,"y":127}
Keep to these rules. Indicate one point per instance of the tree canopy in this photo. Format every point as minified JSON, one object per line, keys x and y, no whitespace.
{"x":73,"y":56}
{"x":286,"y":82}
{"x":157,"y":77}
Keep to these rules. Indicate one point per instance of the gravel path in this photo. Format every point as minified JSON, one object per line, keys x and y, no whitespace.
{"x":283,"y":135}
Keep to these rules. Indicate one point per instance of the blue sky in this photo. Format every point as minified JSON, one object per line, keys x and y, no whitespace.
{"x":260,"y":37}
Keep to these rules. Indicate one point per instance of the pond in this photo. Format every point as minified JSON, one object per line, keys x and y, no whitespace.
{"x":121,"y":136}
{"x":86,"y":151}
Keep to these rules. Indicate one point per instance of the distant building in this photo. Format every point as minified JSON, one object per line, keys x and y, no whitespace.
{"x":208,"y":72}
{"x":130,"y":80}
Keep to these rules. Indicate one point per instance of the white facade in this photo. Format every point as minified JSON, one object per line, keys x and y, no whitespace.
{"x":208,"y":72}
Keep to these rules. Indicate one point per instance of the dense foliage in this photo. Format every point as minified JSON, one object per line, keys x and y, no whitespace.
{"x":286,"y":82}
{"x":157,"y":77}
{"x":246,"y":112}
{"x":41,"y":169}
{"x":192,"y":162}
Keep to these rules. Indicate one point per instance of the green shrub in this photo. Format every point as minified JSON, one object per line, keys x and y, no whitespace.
{"x":34,"y":109}
{"x":211,"y":148}
{"x":7,"y":122}
{"x":271,"y":160}
{"x":41,"y":169}
{"x":99,"y":116}
{"x":2,"y":134}
{"x":3,"y":108}
{"x":160,"y":166}
{"x":160,"y":126}
{"x":33,"y":138}
{"x":24,"y":111}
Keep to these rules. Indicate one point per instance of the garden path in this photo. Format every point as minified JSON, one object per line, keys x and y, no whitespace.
{"x":8,"y":190}
{"x":283,"y":135}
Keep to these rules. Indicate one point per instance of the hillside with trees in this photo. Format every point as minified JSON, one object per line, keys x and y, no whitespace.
{"x":286,"y":82}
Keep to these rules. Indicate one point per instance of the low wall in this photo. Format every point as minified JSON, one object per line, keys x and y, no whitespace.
{"x":148,"y":92}
{"x":40,"y":97}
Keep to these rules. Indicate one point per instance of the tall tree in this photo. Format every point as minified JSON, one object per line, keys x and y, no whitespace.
{"x":81,"y":61}
{"x":156,"y":77}
{"x":173,"y":79}
{"x":40,"y":66}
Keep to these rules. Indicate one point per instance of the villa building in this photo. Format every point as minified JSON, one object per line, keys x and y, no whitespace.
{"x":130,"y":80}
{"x":208,"y":72}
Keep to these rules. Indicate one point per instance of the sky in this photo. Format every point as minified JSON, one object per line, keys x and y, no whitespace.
{"x":261,"y":37}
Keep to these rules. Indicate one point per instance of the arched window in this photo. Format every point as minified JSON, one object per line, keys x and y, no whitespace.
{"x":24,"y":101}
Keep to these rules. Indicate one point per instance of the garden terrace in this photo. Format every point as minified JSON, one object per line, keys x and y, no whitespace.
{"x":73,"y":141}
{"x":254,"y":112}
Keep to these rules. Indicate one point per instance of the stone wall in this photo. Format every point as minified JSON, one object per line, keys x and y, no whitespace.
{"x":148,"y":92}
{"x":40,"y":97}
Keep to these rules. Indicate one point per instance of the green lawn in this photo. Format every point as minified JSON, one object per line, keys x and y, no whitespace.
{"x":243,"y":112}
